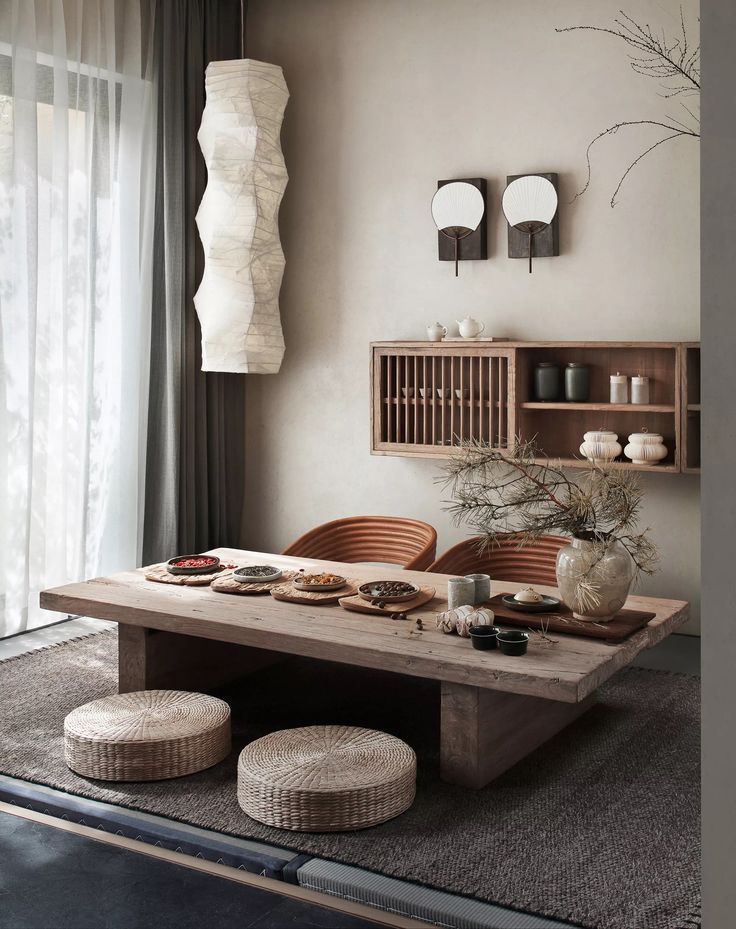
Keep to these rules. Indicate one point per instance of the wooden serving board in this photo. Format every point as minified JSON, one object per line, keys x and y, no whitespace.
{"x":360,"y":605}
{"x":161,"y":575}
{"x":290,"y":594}
{"x":562,"y":620}
{"x":229,"y":584}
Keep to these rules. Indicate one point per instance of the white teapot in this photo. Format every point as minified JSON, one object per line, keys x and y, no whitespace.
{"x":436,"y":332}
{"x":470,"y":328}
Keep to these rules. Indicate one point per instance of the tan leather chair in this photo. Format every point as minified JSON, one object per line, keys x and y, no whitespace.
{"x":391,"y":539}
{"x":534,"y":563}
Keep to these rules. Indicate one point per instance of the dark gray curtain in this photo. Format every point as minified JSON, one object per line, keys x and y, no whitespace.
{"x":195,"y":470}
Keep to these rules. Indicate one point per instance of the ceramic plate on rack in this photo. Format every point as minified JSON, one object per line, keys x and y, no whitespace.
{"x":388,"y":591}
{"x":545,"y":605}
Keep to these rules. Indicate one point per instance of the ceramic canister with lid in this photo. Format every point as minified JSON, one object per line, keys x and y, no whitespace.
{"x":547,"y":381}
{"x":639,"y":390}
{"x":646,"y":448}
{"x":577,"y":382}
{"x":619,"y":388}
{"x":600,"y":446}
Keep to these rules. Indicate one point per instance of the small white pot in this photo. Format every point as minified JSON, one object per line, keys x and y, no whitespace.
{"x":436,"y":332}
{"x":601,"y":446}
{"x":646,"y":448}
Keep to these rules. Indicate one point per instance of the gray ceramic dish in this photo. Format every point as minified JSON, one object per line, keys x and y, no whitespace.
{"x":245,"y":576}
{"x":545,"y":605}
{"x":206,"y":569}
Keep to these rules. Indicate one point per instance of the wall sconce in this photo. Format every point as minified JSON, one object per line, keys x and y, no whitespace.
{"x":458,"y":209}
{"x":530,"y":206}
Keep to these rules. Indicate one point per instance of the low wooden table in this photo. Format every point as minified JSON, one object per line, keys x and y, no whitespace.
{"x":495,"y":709}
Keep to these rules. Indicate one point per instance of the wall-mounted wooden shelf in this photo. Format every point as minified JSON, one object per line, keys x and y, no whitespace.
{"x":601,"y":407}
{"x":484,"y":391}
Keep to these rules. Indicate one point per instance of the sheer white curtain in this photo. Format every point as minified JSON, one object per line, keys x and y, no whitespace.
{"x":76,"y":206}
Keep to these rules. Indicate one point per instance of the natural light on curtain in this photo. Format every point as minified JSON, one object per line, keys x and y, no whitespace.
{"x":76,"y":189}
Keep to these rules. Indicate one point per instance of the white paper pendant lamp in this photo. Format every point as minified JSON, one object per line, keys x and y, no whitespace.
{"x":238,"y":298}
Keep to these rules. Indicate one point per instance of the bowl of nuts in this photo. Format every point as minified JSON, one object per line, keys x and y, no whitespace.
{"x":388,"y":591}
{"x":319,"y":582}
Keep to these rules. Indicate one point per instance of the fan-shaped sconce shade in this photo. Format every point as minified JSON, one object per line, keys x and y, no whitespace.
{"x":457,"y":210}
{"x":238,"y":298}
{"x":529,"y":204}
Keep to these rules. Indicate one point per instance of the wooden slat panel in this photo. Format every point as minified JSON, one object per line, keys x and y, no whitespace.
{"x":501,"y":401}
{"x":415,"y":438}
{"x":462,"y":398}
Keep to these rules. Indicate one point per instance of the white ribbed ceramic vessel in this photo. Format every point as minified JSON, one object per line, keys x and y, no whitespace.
{"x":600,"y":447}
{"x":646,"y":448}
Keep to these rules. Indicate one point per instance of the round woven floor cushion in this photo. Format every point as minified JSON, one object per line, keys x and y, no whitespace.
{"x":148,"y":735}
{"x":326,"y":778}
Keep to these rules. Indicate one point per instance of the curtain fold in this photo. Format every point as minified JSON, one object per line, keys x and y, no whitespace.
{"x":195,"y":471}
{"x":76,"y":166}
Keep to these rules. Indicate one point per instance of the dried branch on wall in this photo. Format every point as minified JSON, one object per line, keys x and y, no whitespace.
{"x":674,"y":63}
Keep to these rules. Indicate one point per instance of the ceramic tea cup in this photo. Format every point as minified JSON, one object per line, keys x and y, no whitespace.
{"x":512,"y":642}
{"x":484,"y":637}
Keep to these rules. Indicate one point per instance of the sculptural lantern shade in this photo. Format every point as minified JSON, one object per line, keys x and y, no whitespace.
{"x":238,"y":298}
{"x":529,"y":205}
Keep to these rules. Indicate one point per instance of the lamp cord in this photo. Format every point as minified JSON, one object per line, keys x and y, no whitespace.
{"x":242,"y":28}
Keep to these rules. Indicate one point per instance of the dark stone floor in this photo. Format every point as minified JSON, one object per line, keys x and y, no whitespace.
{"x":50,"y":879}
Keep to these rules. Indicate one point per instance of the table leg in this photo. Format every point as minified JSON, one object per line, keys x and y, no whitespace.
{"x":485,"y":732}
{"x":150,"y":659}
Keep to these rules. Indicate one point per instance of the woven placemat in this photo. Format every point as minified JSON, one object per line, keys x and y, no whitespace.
{"x":562,"y":620}
{"x":229,"y":584}
{"x":360,"y":605}
{"x":161,"y":575}
{"x":289,"y":593}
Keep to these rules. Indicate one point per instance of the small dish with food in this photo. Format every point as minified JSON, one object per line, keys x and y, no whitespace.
{"x":388,"y":591}
{"x":529,"y":600}
{"x":257,"y":574}
{"x":319,"y":583}
{"x":193,"y":564}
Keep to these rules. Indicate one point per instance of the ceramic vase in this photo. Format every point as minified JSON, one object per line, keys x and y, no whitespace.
{"x":604,"y":564}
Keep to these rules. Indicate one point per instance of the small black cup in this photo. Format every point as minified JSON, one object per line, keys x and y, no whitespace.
{"x":513,"y":643}
{"x":484,"y":637}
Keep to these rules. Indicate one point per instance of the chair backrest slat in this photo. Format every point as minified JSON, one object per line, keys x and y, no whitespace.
{"x":504,"y":559}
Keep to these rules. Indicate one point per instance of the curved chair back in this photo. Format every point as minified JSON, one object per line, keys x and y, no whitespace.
{"x":534,"y":563}
{"x":391,"y":539}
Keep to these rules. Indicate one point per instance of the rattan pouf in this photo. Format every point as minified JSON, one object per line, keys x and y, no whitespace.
{"x":148,"y":735}
{"x":326,"y":778}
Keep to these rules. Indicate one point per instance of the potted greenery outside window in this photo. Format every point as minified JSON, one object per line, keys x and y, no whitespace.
{"x":522,"y":493}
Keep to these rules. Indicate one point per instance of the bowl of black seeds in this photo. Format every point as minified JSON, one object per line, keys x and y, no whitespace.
{"x":257,"y":574}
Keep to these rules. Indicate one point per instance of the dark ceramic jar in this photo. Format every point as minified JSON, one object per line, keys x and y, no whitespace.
{"x":547,"y":381}
{"x":577,"y":383}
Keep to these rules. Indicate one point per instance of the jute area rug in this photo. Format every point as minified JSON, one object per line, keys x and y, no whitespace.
{"x":599,"y":827}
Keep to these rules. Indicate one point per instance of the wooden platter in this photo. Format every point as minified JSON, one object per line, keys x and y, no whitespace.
{"x":290,"y":594}
{"x":361,"y":605}
{"x":620,"y":627}
{"x":229,"y":584}
{"x":161,"y":575}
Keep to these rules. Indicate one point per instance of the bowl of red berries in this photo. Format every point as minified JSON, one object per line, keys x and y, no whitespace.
{"x":193,"y":564}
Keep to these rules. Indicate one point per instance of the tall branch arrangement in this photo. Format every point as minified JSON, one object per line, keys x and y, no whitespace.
{"x":521,"y":493}
{"x":674,"y":63}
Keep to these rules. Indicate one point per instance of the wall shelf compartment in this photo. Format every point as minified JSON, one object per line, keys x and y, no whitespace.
{"x":428,"y":397}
